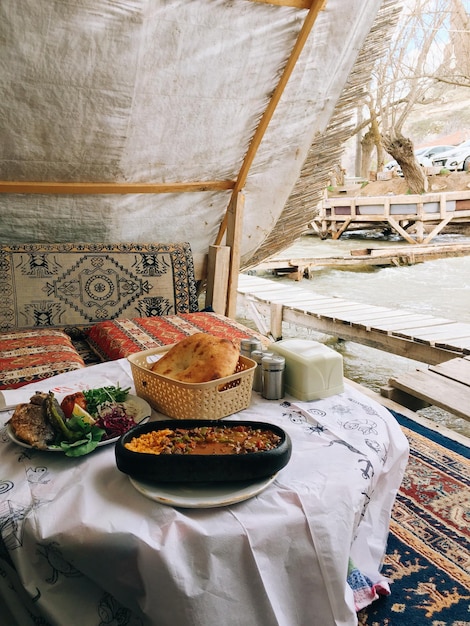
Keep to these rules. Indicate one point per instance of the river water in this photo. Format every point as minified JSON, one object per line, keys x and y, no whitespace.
{"x":440,"y":288}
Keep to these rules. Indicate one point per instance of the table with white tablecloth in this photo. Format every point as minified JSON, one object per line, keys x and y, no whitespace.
{"x":82,"y":545}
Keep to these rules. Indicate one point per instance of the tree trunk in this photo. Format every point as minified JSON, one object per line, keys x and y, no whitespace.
{"x":367,"y":146}
{"x":402,"y":151}
{"x":377,"y":139}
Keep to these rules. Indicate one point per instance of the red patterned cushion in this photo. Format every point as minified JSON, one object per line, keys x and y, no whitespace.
{"x":27,"y":356}
{"x":116,"y":339}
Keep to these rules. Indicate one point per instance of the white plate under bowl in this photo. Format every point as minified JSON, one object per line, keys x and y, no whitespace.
{"x":198,"y":496}
{"x":140,"y":407}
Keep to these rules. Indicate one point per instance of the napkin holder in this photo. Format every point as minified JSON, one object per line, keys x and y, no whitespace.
{"x":313,"y":370}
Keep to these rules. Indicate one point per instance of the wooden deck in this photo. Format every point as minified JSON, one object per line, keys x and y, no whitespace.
{"x":397,"y":213}
{"x":417,"y":336}
{"x":442,"y":344}
{"x":446,"y":385}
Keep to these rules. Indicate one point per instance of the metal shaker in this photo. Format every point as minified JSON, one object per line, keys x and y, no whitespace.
{"x":247,"y":346}
{"x":258,"y":355}
{"x":273,"y":377}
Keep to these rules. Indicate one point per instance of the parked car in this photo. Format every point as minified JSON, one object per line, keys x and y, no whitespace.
{"x":428,"y":154}
{"x":424,"y":156}
{"x":455,"y":159}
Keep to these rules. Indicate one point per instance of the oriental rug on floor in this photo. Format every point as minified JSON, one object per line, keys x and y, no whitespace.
{"x":428,"y":553}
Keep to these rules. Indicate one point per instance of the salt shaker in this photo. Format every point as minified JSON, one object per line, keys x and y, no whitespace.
{"x":257,"y":356}
{"x":247,"y":346}
{"x":273,"y":377}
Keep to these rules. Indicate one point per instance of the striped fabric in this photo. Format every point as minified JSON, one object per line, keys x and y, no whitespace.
{"x":116,"y":339}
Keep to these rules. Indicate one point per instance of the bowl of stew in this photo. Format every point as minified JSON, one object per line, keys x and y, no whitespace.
{"x":203,"y":451}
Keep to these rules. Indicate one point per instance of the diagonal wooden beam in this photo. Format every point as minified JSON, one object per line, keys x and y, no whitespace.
{"x":315,"y":8}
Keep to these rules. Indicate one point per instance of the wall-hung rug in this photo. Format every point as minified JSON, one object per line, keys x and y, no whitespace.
{"x":428,"y":554}
{"x":60,"y":285}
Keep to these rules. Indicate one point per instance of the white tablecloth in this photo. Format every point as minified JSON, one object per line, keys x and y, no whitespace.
{"x":82,"y":546}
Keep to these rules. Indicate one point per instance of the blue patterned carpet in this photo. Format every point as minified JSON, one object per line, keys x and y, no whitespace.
{"x":428,"y":554}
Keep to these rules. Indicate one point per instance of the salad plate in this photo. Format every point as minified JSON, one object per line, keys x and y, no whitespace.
{"x":137,"y":408}
{"x":203,"y":495}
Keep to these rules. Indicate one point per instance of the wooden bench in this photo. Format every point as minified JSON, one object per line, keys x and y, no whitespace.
{"x":446,"y":385}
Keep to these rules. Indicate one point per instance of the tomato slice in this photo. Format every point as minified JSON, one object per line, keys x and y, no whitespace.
{"x":69,"y":401}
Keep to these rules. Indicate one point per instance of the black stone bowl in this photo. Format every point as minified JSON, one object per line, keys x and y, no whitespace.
{"x":192,"y":468}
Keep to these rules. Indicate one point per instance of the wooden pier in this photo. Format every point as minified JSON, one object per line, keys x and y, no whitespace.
{"x":397,"y":255}
{"x":416,"y":336}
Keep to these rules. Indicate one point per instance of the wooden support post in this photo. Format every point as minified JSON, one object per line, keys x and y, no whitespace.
{"x":443,"y":206}
{"x":387,"y":207}
{"x":353,"y":208}
{"x":419,"y":221}
{"x":233,"y":239}
{"x":218,"y":268}
{"x":276,"y":320}
{"x":420,"y":231}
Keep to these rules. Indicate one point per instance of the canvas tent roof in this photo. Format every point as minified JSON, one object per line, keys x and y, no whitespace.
{"x":200,"y":102}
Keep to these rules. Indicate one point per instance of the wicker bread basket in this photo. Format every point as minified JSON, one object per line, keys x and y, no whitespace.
{"x":211,"y":400}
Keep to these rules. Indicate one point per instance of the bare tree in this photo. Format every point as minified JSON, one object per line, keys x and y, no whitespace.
{"x":412,"y":74}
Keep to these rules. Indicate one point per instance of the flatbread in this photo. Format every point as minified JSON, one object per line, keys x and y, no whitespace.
{"x":199,"y":358}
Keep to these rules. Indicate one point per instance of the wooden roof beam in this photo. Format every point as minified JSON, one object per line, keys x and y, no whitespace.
{"x":112,"y":188}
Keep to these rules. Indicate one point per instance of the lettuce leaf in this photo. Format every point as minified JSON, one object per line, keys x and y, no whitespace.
{"x":91,"y":436}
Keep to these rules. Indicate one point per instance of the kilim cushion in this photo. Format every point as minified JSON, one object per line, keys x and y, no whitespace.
{"x":62,"y":285}
{"x":121,"y":337}
{"x":27,"y":356}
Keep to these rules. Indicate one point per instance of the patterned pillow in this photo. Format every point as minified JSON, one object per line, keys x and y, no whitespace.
{"x":28,"y":356}
{"x":61,"y":285}
{"x":119,"y":338}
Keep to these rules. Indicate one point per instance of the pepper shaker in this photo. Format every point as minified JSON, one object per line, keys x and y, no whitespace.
{"x":247,"y":346}
{"x":273,"y":377}
{"x":257,"y":356}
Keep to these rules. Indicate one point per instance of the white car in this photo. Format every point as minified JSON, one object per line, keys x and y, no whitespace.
{"x":456,"y":159}
{"x":424,"y":156}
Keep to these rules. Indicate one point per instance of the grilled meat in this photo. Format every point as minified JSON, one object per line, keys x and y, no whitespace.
{"x":38,"y":398}
{"x":29,"y":422}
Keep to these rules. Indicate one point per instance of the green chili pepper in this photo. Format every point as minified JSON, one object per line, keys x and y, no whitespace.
{"x":57,"y":418}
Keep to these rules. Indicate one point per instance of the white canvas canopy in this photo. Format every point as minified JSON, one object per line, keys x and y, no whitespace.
{"x":146,"y":120}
